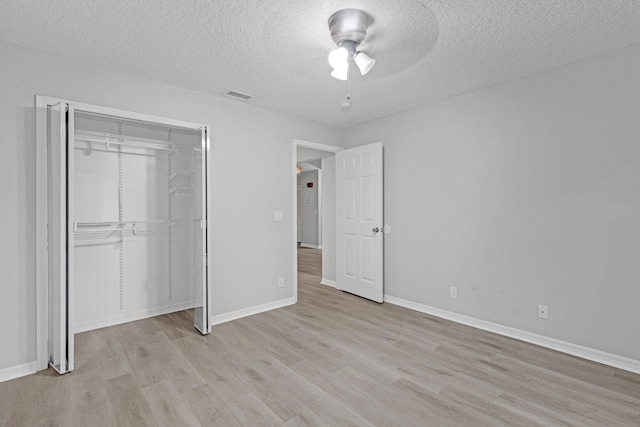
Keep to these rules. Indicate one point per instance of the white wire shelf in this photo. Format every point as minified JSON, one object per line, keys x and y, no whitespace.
{"x":110,"y":140}
{"x":118,"y":228}
{"x":180,"y":175}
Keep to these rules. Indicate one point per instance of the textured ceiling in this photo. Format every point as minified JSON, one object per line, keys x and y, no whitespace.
{"x":276,"y":50}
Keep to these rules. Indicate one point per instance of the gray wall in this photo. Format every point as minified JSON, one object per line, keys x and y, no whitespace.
{"x":521,"y":194}
{"x":309,"y":232}
{"x":243,"y":206}
{"x":328,"y":210}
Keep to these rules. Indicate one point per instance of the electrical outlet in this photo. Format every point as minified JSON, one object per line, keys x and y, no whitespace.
{"x":543,"y":311}
{"x":280,"y":282}
{"x":453,"y":292}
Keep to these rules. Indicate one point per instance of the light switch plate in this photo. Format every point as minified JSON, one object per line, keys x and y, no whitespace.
{"x":278,"y":216}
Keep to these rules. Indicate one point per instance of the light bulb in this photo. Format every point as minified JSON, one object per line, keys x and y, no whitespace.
{"x":338,"y":57}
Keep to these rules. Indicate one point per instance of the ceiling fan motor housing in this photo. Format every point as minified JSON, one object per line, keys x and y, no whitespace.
{"x":348,"y":28}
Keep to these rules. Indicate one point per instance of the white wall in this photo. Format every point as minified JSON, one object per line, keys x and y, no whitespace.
{"x":242,"y":227}
{"x":329,"y":218}
{"x":522,"y":194}
{"x":309,"y":208}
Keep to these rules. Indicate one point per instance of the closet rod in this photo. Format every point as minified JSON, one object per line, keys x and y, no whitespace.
{"x":108,"y":139}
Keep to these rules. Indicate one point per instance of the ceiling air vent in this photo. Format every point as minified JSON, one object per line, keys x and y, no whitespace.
{"x":237,"y":95}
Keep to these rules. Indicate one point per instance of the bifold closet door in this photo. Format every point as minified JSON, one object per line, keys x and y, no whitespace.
{"x":60,"y":236}
{"x":202,"y":320}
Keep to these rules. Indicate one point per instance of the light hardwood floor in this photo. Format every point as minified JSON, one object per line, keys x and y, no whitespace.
{"x":332,"y":359}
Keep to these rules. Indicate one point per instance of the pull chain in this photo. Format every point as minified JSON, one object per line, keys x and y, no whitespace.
{"x":346,"y":104}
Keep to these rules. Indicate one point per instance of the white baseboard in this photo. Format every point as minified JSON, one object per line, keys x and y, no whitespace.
{"x":131,"y":317}
{"x":249,"y":311}
{"x":594,"y":355}
{"x":18,"y":371}
{"x":310,"y":246}
{"x":328,"y":282}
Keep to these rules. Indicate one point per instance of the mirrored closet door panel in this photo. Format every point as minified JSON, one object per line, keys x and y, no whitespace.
{"x":199,"y":215}
{"x":59,"y":258}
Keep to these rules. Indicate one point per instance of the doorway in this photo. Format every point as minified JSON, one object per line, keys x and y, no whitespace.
{"x":352,"y":259}
{"x":314,"y":211}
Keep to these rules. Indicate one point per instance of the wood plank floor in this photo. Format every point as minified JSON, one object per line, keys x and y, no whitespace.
{"x":332,"y":359}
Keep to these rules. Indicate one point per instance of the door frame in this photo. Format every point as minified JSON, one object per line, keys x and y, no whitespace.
{"x":294,"y":206}
{"x":42,"y":293}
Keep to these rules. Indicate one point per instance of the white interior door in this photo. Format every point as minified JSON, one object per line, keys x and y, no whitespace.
{"x":60,"y":236}
{"x":202,"y":294}
{"x":359,"y":222}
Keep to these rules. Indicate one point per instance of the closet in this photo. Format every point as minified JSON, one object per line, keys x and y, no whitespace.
{"x":126,"y":221}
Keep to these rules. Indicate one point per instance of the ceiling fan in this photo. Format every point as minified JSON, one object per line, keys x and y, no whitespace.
{"x":348,"y":29}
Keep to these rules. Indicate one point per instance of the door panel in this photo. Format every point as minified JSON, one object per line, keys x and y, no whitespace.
{"x":349,"y":199}
{"x":359,"y":222}
{"x":201,"y":283}
{"x":368,"y":198}
{"x":368,"y":254}
{"x":60,"y":282}
{"x":69,"y":147}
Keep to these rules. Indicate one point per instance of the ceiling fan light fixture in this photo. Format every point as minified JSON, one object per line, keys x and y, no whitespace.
{"x":364,"y":62}
{"x":348,"y":29}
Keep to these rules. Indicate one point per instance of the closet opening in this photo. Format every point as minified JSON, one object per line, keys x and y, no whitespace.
{"x":126,"y":220}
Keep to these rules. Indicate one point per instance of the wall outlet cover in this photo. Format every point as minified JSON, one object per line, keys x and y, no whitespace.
{"x":543,"y":311}
{"x":453,"y":292}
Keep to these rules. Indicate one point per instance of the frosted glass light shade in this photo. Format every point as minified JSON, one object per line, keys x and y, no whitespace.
{"x":341,"y":73}
{"x":364,"y":62}
{"x":338,"y":57}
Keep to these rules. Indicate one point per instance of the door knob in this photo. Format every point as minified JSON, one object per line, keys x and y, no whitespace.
{"x":376,"y":230}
